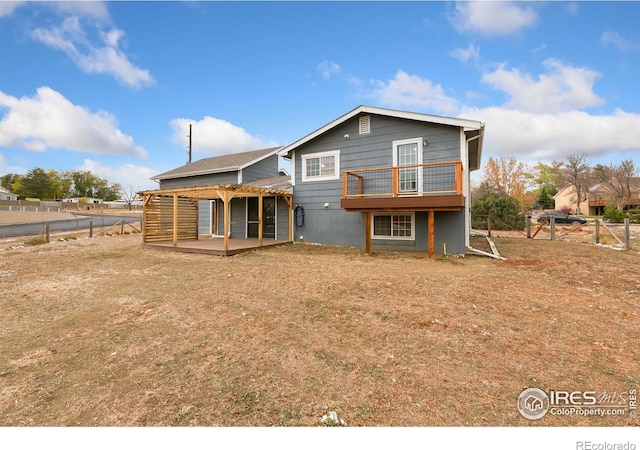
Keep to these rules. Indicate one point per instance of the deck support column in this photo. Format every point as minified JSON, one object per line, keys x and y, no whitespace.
{"x":147,"y":199}
{"x":431,"y":233}
{"x":226,"y":223}
{"x":367,"y":233}
{"x":260,"y":212}
{"x":289,"y":201}
{"x":175,"y":220}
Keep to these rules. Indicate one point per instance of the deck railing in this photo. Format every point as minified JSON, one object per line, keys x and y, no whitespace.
{"x":440,"y":178}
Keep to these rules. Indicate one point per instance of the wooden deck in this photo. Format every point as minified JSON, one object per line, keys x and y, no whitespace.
{"x":214,"y":246}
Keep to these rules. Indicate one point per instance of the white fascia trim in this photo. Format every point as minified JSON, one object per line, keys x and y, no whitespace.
{"x":195,"y":174}
{"x":465,"y":124}
{"x":464,"y":157}
{"x":293,"y":168}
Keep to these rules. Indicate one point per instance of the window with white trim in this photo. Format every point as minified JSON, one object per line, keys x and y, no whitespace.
{"x":321,"y":166}
{"x":393,"y":226}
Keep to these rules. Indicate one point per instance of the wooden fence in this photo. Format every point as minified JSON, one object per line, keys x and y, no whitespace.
{"x":161,"y":216}
{"x":59,"y":206}
{"x":599,"y":231}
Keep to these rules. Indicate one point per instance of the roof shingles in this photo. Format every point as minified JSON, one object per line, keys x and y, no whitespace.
{"x":217,"y":164}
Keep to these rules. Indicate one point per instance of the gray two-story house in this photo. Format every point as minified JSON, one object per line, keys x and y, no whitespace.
{"x":375,"y":178}
{"x":386,"y":179}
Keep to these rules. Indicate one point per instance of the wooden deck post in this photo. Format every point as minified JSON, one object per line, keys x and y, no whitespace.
{"x":627,"y":234}
{"x":290,"y":217}
{"x":225,"y":200}
{"x":175,"y":220}
{"x":260,"y":212}
{"x":431,"y":233}
{"x":147,"y":198}
{"x":459,"y":178}
{"x":367,"y":233}
{"x":394,"y":181}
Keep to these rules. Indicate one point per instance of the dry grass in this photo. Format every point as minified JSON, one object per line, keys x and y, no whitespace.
{"x":100,"y":332}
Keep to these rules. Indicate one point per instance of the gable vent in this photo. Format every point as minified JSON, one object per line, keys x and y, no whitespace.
{"x":365,"y":124}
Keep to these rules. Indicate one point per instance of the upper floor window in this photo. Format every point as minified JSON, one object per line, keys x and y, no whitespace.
{"x":321,"y":166}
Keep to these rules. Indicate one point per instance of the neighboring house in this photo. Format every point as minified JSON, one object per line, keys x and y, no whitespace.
{"x":256,"y":171}
{"x":566,"y":199}
{"x":4,"y":195}
{"x":85,"y":200}
{"x":386,"y":179}
{"x":596,"y":198}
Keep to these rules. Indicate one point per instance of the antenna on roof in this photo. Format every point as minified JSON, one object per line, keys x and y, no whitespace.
{"x":189,"y":148}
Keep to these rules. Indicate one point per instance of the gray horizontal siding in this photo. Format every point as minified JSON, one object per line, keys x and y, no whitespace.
{"x":266,"y":168}
{"x":334,"y":226}
{"x":204,"y":216}
{"x":201,"y":180}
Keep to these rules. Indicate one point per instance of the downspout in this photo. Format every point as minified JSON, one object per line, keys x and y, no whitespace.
{"x":467,"y":220}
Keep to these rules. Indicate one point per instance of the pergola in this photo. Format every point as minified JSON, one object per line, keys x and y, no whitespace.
{"x":172,"y":214}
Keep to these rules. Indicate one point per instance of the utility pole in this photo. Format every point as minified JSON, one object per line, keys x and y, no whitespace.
{"x":189,"y":143}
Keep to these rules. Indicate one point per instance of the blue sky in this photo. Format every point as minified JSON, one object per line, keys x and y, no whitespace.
{"x":112,"y":87}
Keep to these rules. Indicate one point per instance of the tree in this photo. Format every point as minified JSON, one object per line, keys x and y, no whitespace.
{"x":61,"y":184}
{"x":545,"y":200}
{"x":622,"y":181}
{"x":86,"y":184}
{"x":577,"y":172}
{"x":601,"y":173}
{"x":506,"y":209}
{"x":129,"y":196}
{"x":507,"y":177}
{"x":7,"y":181}
{"x":35,"y":184}
{"x":548,"y":175}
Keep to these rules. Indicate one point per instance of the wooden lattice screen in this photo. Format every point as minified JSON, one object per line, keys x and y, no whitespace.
{"x":161,"y":220}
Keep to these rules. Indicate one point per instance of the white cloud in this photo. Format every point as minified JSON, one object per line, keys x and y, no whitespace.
{"x":49,"y":120}
{"x":328,"y":68}
{"x":7,"y":8}
{"x":492,"y":17}
{"x":471,"y":53}
{"x":129,"y":176}
{"x":92,"y":9}
{"x":211,"y":136}
{"x":18,"y":166}
{"x":534,"y":136}
{"x":105,"y":57}
{"x":615,"y":39}
{"x":412,"y":91}
{"x":562,"y":88}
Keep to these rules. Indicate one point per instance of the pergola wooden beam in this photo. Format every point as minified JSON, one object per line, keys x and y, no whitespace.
{"x":224,"y":192}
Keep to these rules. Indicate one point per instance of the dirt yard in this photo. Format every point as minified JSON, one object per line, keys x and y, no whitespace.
{"x":103,"y":332}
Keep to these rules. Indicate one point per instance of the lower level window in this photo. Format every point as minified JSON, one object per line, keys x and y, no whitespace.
{"x":393,"y":226}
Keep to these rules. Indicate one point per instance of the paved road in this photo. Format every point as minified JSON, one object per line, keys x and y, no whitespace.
{"x":81,"y":223}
